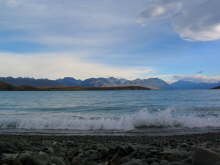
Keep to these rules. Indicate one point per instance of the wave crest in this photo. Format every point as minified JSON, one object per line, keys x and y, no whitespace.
{"x":140,"y":119}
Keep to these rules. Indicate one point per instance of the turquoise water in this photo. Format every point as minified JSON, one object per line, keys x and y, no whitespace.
{"x":109,"y":110}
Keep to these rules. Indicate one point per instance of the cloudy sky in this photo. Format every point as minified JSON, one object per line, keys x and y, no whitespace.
{"x":170,"y":39}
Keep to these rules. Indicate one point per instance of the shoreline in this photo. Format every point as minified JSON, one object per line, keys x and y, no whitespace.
{"x":105,"y":150}
{"x":8,"y":87}
{"x":135,"y":133}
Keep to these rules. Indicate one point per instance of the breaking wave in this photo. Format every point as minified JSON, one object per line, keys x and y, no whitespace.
{"x":140,"y":119}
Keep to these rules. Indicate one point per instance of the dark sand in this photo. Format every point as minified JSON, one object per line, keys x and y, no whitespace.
{"x":103,"y":150}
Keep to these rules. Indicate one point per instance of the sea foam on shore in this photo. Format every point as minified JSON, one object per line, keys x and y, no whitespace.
{"x":141,"y":119}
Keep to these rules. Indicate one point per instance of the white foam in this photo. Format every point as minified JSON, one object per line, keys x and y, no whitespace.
{"x":165,"y":118}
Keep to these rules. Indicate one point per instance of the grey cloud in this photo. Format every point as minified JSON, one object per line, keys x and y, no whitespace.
{"x":197,"y":20}
{"x":160,"y":9}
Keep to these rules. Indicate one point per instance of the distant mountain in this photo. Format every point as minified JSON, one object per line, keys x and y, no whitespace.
{"x":193,"y":85}
{"x":104,"y":82}
{"x":153,"y":83}
{"x":29,"y":81}
{"x":68,"y":81}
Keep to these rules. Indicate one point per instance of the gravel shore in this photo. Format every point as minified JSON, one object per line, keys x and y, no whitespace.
{"x":110,"y":150}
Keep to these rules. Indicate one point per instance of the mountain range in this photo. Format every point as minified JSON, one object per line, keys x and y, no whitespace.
{"x":153,"y":83}
{"x":183,"y":84}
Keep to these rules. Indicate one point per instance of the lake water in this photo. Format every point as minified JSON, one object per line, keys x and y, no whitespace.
{"x":89,"y":112}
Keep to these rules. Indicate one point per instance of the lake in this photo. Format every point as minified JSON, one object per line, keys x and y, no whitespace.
{"x":89,"y":112}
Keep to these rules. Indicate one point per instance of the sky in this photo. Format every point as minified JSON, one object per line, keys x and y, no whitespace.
{"x":169,"y":39}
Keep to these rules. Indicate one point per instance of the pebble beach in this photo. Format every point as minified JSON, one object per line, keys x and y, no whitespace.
{"x":200,"y":149}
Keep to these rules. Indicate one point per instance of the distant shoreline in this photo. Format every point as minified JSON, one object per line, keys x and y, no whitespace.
{"x":89,"y":88}
{"x":9,"y":87}
{"x":218,"y":87}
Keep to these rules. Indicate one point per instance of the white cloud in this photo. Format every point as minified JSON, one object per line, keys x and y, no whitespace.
{"x":197,"y":20}
{"x":82,"y":41}
{"x":197,"y":78}
{"x":56,"y":65}
{"x":76,"y":23}
{"x":98,"y":27}
{"x":170,"y":78}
